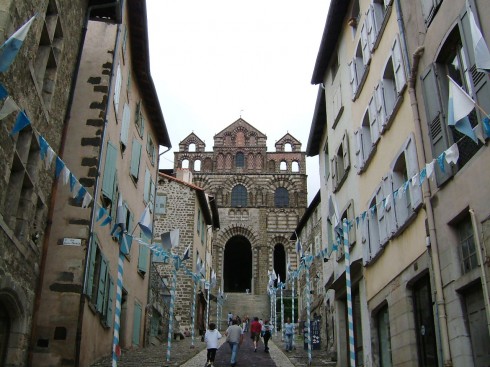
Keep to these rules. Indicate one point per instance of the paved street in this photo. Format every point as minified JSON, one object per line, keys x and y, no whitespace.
{"x":185,"y":356}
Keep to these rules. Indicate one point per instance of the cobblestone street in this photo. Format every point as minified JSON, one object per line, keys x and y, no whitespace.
{"x":183,"y":355}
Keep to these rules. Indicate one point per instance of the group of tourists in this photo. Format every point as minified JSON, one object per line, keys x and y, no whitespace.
{"x":235,"y":332}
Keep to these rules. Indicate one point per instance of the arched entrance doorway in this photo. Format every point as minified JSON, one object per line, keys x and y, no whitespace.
{"x":237,"y":270}
{"x":280,"y":262}
{"x":4,"y":333}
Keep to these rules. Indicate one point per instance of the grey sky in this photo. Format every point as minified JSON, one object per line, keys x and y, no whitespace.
{"x":215,"y":60}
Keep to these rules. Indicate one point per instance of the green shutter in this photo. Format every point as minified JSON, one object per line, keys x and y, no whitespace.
{"x":137,"y":324}
{"x":110,"y":302}
{"x":135,"y":159}
{"x":161,"y":204}
{"x":435,"y":121}
{"x":102,"y":285}
{"x":109,"y":171}
{"x":143,"y":259}
{"x":91,"y":265}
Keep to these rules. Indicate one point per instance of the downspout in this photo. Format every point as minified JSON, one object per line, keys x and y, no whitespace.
{"x":96,"y":184}
{"x":433,"y":247}
{"x":483,"y":260}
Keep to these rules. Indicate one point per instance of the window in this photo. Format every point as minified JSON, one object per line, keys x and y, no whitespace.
{"x":467,"y":249}
{"x":109,"y":174}
{"x":294,"y":166}
{"x":340,"y":163}
{"x":117,"y":88}
{"x":288,"y":147}
{"x":384,"y":337}
{"x":281,"y":198}
{"x":126,"y":119}
{"x":370,"y":233}
{"x":161,"y":204}
{"x":455,"y":59}
{"x":149,"y":190}
{"x":347,"y":214}
{"x":139,"y":120}
{"x":151,"y":150}
{"x":239,"y":196}
{"x":239,"y":160}
{"x":135,"y":160}
{"x":358,"y":71}
{"x":192,"y":147}
{"x":49,"y":52}
{"x":143,"y":255}
{"x":283,"y":166}
{"x":326,"y":163}
{"x":337,"y":105}
{"x":429,"y":9}
{"x":137,"y":313}
{"x":197,"y":165}
{"x":357,"y":320}
{"x":376,"y":19}
{"x":100,"y":285}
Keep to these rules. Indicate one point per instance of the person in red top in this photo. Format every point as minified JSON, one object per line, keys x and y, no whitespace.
{"x":255,"y":329}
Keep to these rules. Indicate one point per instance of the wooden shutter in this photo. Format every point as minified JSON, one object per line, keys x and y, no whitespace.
{"x":382,"y":222}
{"x":388,"y":2}
{"x":135,"y":159}
{"x":390,"y":217}
{"x":429,"y":8}
{"x":110,"y":302}
{"x":143,"y":259}
{"x":137,"y":324}
{"x":346,"y":152}
{"x":435,"y":121}
{"x":364,"y":231}
{"x":380,"y":106}
{"x":351,"y":218}
{"x":373,"y":233}
{"x":366,"y":54}
{"x":480,"y":80}
{"x":373,"y":120}
{"x":109,"y":173}
{"x":358,"y":149}
{"x":146,"y":193}
{"x":91,"y":266}
{"x":126,"y":118}
{"x":117,"y":88}
{"x":413,"y":169}
{"x":161,"y":204}
{"x":398,"y":65}
{"x":101,"y":290}
{"x":333,"y":169}
{"x":353,"y":76}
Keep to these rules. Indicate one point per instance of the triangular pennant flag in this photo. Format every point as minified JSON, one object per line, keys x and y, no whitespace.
{"x":145,"y":222}
{"x":460,"y":104}
{"x":8,"y":107}
{"x":100,"y":213}
{"x":73,"y":181}
{"x":3,"y":92}
{"x":486,"y":126}
{"x":87,"y":199}
{"x":422,"y":176}
{"x":76,"y":189}
{"x":120,"y":225}
{"x":43,"y":147}
{"x":106,"y":221}
{"x":170,"y":239}
{"x":80,"y":194}
{"x":65,"y":174}
{"x":440,"y":161}
{"x":59,"y":166}
{"x":482,"y":54}
{"x":452,"y":154}
{"x":9,"y":50}
{"x":49,"y":157}
{"x":20,"y":123}
{"x":429,"y":167}
{"x":187,"y":253}
{"x":126,"y":242}
{"x":415,"y":179}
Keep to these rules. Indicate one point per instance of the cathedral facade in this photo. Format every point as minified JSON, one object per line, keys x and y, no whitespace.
{"x":261,"y":197}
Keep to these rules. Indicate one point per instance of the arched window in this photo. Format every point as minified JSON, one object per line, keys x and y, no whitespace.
{"x":295,"y":167}
{"x":288,"y":147}
{"x":185,"y":163}
{"x":239,"y":160}
{"x":283,"y":166}
{"x":197,"y":165}
{"x":239,"y":196}
{"x":281,"y":198}
{"x":192,"y":147}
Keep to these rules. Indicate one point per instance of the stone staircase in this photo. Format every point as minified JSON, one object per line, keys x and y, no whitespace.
{"x":243,"y":304}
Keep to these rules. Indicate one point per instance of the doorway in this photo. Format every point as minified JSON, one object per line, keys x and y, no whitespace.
{"x":237,"y":272}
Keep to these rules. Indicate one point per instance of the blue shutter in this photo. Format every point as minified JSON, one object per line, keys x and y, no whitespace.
{"x":125,"y":124}
{"x":91,"y":266}
{"x":161,"y":204}
{"x":102,"y":285}
{"x":137,"y":324}
{"x":146,"y":194}
{"x":143,"y":259}
{"x":135,"y":159}
{"x":117,"y":88}
{"x":110,"y":303}
{"x":109,"y":171}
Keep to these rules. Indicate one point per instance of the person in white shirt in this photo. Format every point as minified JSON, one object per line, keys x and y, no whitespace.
{"x":211,"y":338}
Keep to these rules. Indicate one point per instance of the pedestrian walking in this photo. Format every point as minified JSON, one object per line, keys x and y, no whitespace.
{"x":267,"y":328}
{"x":255,"y":330}
{"x":211,"y":338}
{"x":230,"y":318}
{"x":288,"y":334}
{"x":234,"y":337}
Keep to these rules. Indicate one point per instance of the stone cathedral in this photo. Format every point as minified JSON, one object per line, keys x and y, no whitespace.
{"x":261,"y":197}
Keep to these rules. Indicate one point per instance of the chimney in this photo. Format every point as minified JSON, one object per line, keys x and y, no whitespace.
{"x":184,"y":174}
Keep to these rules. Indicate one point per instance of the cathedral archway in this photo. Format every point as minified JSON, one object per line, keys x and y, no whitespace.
{"x":237,"y":270}
{"x":280,"y":262}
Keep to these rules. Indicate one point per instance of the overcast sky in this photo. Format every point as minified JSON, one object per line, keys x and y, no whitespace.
{"x":216,"y":60}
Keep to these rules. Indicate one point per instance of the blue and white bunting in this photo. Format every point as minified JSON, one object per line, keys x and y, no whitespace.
{"x":10,"y":48}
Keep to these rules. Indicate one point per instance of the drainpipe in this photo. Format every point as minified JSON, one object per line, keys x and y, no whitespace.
{"x":483,"y":260}
{"x":96,"y":184}
{"x":433,"y":248}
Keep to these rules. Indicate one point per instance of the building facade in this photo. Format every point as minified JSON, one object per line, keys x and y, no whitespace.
{"x":113,"y":132}
{"x":185,"y":206}
{"x":42,"y":90}
{"x":260,"y":195}
{"x":440,"y":41}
